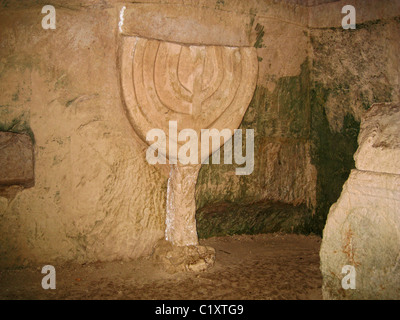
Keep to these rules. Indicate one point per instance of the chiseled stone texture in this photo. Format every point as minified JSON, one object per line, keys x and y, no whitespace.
{"x":330,"y":13}
{"x":183,"y":258}
{"x":16,"y":159}
{"x":95,"y":196}
{"x":363,"y":227}
{"x":197,"y":87}
{"x":379,"y":140}
{"x":201,"y":80}
{"x":351,"y":70}
{"x":362,"y":65}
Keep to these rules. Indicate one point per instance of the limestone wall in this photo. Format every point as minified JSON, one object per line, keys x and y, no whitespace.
{"x":279,"y":115}
{"x":351,"y":70}
{"x":94,"y":195}
{"x":96,"y":198}
{"x":311,"y":95}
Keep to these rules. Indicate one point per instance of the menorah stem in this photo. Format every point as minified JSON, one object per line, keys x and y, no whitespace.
{"x":181,"y":250}
{"x":181,"y":205}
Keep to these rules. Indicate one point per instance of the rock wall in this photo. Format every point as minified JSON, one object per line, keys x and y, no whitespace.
{"x":351,"y":70}
{"x":96,"y":198}
{"x":279,"y":114}
{"x":306,"y":111}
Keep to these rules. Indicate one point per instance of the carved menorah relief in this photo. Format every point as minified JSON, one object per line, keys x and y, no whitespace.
{"x":196,"y":87}
{"x":199,"y":87}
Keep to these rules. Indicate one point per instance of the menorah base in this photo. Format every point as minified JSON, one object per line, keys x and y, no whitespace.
{"x":184,"y":258}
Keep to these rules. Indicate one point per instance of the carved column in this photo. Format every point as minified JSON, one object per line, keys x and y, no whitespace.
{"x":181,"y":205}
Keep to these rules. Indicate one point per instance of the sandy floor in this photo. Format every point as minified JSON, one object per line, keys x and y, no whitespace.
{"x":272,"y":266}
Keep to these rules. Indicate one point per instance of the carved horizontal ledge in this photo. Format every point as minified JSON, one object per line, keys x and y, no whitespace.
{"x":185,"y":25}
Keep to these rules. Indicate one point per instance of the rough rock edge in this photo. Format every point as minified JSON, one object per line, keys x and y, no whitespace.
{"x":183,"y":258}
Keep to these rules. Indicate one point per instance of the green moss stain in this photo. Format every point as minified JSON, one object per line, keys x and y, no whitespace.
{"x":15,"y":96}
{"x":249,"y":26}
{"x":283,"y":113}
{"x":219,"y":4}
{"x":20,"y":63}
{"x":371,"y":24}
{"x":295,"y":110}
{"x":69,"y":102}
{"x":17,"y":124}
{"x":354,"y":83}
{"x":262,"y":217}
{"x":332,"y":154}
{"x":259,"y":38}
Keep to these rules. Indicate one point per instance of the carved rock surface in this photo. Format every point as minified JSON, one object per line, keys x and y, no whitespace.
{"x":379,"y":139}
{"x":95,"y":197}
{"x":184,"y":258}
{"x":16,"y":159}
{"x":191,"y":88}
{"x":199,"y":87}
{"x":174,"y":22}
{"x":363,"y":226}
{"x":181,"y":205}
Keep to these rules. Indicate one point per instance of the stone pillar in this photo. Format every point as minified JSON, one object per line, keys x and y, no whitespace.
{"x":180,"y":251}
{"x":363,"y":226}
{"x":181,"y":205}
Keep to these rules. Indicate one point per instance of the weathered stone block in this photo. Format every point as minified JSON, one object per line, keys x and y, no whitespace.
{"x":379,"y":140}
{"x":16,"y":159}
{"x":363,"y":226}
{"x":183,"y":258}
{"x":184,"y":24}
